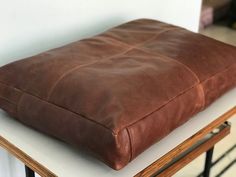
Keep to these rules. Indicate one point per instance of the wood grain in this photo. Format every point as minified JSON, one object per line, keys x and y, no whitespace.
{"x":26,"y":159}
{"x":167,"y":158}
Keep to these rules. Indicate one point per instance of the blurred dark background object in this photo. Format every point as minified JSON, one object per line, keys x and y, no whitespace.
{"x":214,"y":11}
{"x":232,"y":15}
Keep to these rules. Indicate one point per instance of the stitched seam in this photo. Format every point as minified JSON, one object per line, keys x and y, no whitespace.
{"x":146,"y":32}
{"x":186,"y":67}
{"x":137,"y":45}
{"x":116,"y":133}
{"x":200,"y":88}
{"x":9,"y":101}
{"x":130,"y":143}
{"x":82,"y":116}
{"x":97,"y":61}
{"x":132,"y":31}
{"x":172,"y":59}
{"x":78,"y":67}
{"x":156,"y":35}
{"x":18,"y":105}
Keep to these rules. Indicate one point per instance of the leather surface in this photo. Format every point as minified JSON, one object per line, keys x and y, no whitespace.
{"x":119,"y":92}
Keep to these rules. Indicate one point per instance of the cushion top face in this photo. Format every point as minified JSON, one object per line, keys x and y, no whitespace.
{"x":119,"y":92}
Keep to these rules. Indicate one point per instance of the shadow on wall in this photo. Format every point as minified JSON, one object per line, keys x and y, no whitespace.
{"x":25,"y":43}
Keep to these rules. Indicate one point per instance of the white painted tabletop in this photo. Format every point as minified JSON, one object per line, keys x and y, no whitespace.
{"x":63,"y":160}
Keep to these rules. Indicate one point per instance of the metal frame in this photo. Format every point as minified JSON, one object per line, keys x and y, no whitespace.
{"x":182,"y":157}
{"x":208,"y":162}
{"x":224,"y":155}
{"x":29,"y":172}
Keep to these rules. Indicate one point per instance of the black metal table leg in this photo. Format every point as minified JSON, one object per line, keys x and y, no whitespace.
{"x":29,"y":172}
{"x":208,"y":162}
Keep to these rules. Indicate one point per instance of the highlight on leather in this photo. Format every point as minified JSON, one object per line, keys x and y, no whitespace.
{"x":119,"y":92}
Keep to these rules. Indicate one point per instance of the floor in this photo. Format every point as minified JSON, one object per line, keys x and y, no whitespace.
{"x":194,"y":169}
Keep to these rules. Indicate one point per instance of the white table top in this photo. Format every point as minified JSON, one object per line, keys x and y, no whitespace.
{"x":63,"y":160}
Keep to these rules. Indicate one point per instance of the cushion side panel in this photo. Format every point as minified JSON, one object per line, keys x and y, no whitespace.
{"x":9,"y":98}
{"x":219,"y":84}
{"x":151,"y":129}
{"x":10,"y":108}
{"x":10,"y":93}
{"x":113,"y":149}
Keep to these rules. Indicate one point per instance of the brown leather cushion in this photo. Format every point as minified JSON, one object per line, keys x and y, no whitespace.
{"x":119,"y":92}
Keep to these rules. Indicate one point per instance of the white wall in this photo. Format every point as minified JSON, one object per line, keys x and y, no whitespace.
{"x":28,"y":27}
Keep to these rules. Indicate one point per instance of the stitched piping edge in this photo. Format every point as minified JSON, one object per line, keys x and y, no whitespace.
{"x":201,"y":90}
{"x":65,"y":109}
{"x":130,"y":144}
{"x":7,"y":100}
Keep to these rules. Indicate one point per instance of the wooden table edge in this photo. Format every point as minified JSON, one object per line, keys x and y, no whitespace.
{"x":25,"y":158}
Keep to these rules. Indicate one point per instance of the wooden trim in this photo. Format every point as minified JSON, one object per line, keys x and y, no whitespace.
{"x":167,"y":158}
{"x":26,"y":159}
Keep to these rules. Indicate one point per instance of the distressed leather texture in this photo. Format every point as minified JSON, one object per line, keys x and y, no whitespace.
{"x":119,"y":92}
